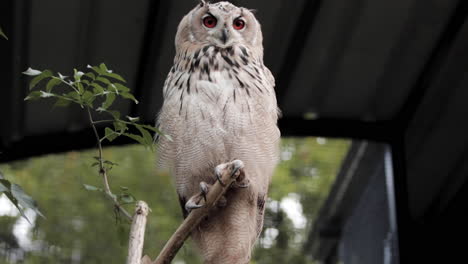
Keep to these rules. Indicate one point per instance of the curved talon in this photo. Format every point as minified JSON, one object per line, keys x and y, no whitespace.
{"x":190,"y":205}
{"x":234,"y":171}
{"x":218,"y":176}
{"x":204,"y":189}
{"x":236,"y":166}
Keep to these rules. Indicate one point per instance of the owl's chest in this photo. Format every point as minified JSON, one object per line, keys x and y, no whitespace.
{"x":219,"y":105}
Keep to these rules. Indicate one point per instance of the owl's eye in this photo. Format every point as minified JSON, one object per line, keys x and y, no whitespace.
{"x":238,"y":24}
{"x":210,"y":21}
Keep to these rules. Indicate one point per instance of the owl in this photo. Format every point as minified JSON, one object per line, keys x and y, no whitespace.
{"x":220,"y":105}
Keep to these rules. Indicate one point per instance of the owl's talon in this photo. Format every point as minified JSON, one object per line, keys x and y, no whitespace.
{"x":218,"y":172}
{"x":204,"y":187}
{"x":195,"y":201}
{"x":190,"y":205}
{"x":237,"y":165}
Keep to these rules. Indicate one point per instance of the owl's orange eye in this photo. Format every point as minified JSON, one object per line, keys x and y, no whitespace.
{"x":210,"y":21}
{"x":238,"y":24}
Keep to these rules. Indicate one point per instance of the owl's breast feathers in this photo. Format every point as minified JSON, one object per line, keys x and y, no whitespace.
{"x":218,"y":103}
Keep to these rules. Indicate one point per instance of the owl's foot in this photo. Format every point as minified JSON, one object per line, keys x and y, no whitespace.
{"x":198,"y":200}
{"x":235,"y":168}
{"x":237,"y":171}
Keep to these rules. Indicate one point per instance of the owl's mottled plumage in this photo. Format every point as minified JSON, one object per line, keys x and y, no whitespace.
{"x":220,"y":105}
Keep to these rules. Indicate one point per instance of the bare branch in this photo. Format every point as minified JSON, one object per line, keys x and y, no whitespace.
{"x":137,"y":233}
{"x":228,"y":176}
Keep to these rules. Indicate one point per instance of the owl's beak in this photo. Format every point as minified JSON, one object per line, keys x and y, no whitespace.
{"x":224,"y":35}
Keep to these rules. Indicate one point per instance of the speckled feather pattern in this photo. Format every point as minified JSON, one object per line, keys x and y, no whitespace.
{"x":220,"y":105}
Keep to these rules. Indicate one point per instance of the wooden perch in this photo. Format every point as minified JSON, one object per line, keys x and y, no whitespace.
{"x":137,"y":233}
{"x":229,"y":174}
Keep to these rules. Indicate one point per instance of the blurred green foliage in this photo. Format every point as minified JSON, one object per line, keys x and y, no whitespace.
{"x":81,"y":227}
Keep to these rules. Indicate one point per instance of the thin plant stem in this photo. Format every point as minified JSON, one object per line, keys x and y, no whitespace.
{"x":103,"y":173}
{"x":102,"y":121}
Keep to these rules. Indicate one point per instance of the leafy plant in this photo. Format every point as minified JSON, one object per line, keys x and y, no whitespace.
{"x":95,"y":90}
{"x":85,"y":89}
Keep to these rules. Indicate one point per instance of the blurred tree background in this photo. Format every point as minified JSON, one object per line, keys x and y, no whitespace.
{"x":81,"y":227}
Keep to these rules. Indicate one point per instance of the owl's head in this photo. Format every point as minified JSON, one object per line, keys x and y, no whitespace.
{"x":220,"y":24}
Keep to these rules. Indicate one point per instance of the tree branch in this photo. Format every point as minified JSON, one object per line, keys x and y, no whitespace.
{"x":229,"y":174}
{"x":137,"y":233}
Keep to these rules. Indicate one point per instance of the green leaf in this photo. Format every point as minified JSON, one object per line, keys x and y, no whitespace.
{"x":91,"y":188}
{"x":110,"y":97}
{"x":115,"y":76}
{"x":97,"y":89}
{"x":121,"y":88}
{"x":96,"y":69}
{"x":3,"y":34}
{"x":110,"y":163}
{"x":23,"y":199}
{"x":62,"y":102}
{"x":13,"y":200}
{"x":18,"y":197}
{"x":4,"y":185}
{"x":126,"y":198}
{"x":129,"y":96}
{"x":52,"y":83}
{"x":40,"y":77}
{"x":115,"y":114}
{"x":110,"y":134}
{"x":33,"y":96}
{"x":80,"y":87}
{"x":154,"y":129}
{"x":103,"y":80}
{"x":123,"y":188}
{"x":103,"y":67}
{"x":157,"y":131}
{"x":137,"y":138}
{"x":90,"y":75}
{"x":88,"y":98}
{"x":119,"y":126}
{"x":73,"y":95}
{"x":148,"y":139}
{"x":112,"y":87}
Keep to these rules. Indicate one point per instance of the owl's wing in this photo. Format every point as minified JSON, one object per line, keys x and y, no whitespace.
{"x":270,"y":78}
